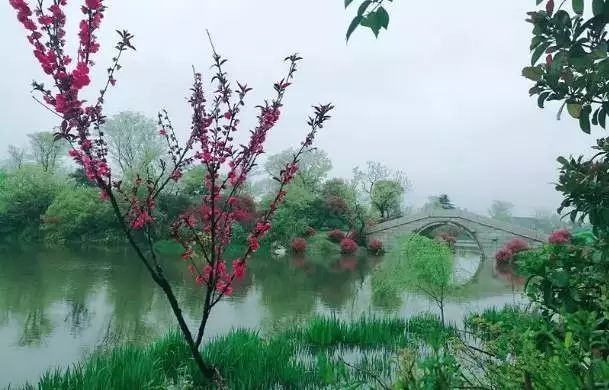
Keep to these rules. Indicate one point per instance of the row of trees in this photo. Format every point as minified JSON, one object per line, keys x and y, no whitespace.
{"x":132,"y":137}
{"x":62,"y":198}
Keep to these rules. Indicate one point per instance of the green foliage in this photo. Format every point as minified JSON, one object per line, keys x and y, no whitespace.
{"x":370,"y":14}
{"x":313,"y":167}
{"x":307,"y":356}
{"x":501,"y":210}
{"x":321,"y":247}
{"x":387,"y":196}
{"x":78,"y":214}
{"x":25,"y":194}
{"x":420,"y":264}
{"x":292,"y":218}
{"x":585,"y":186}
{"x":134,"y":143}
{"x":576,"y":68}
{"x":46,"y":149}
{"x":437,"y":370}
{"x":366,"y":332}
{"x":193,"y":181}
{"x":123,"y":368}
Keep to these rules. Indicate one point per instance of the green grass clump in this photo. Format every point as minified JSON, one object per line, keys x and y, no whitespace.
{"x":319,"y":246}
{"x":245,"y":360}
{"x":366,"y":332}
{"x":428,"y":328}
{"x":126,"y":367}
{"x":501,"y":329}
{"x":307,"y":356}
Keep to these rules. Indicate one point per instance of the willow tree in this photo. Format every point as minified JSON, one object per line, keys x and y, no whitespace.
{"x":419,"y":264}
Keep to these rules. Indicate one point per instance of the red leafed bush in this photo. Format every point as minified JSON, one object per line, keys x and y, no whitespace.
{"x":310,"y":232}
{"x":348,"y":246}
{"x":560,"y":237}
{"x":299,"y":245}
{"x":517,"y":245}
{"x":336,"y":235}
{"x":376,"y":247}
{"x":504,"y":255}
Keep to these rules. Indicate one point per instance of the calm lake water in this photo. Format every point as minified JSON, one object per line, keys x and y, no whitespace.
{"x":56,"y":306}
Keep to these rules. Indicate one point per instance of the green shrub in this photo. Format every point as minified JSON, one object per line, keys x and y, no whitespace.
{"x":25,"y":195}
{"x":78,"y":214}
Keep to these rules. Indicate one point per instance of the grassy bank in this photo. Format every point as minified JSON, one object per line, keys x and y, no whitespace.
{"x":324,"y":351}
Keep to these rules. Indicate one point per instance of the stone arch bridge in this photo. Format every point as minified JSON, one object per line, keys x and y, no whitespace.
{"x":487,"y":233}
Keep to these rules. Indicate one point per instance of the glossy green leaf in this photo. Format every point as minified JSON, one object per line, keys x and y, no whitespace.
{"x":584,"y":119}
{"x":578,"y":6}
{"x":363,"y":7}
{"x":562,"y":160}
{"x":574,"y":109}
{"x":383,"y":17}
{"x":532,"y":73}
{"x":348,"y":3}
{"x":539,"y":51}
{"x":354,"y":23}
{"x":598,"y":7}
{"x":542,"y":98}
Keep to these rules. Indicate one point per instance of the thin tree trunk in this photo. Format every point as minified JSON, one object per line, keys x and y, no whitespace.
{"x":207,"y":371}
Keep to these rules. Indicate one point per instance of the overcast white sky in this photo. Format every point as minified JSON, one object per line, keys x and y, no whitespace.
{"x":439,"y":95}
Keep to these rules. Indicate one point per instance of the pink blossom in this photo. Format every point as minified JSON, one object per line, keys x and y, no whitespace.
{"x":142,"y":219}
{"x":504,"y":255}
{"x":239,"y":267}
{"x":93,"y":4}
{"x":254,"y":245}
{"x":176,"y":175}
{"x":517,"y":245}
{"x":560,"y":237}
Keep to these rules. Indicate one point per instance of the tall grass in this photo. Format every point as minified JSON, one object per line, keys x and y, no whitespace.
{"x":126,"y":367}
{"x":325,"y":332}
{"x":313,"y":355}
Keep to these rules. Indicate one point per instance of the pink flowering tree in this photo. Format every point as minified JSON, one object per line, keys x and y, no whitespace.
{"x":204,"y":231}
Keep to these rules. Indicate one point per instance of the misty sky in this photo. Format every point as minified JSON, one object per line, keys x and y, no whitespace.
{"x":439,"y":95}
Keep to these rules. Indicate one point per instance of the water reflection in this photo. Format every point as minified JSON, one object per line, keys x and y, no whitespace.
{"x":56,"y":305}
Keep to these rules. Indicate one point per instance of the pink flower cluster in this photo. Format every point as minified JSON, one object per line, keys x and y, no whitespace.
{"x":516,"y":245}
{"x":375,"y":246}
{"x":560,"y":237}
{"x":299,"y":245}
{"x":47,"y":35}
{"x":504,"y":255}
{"x":348,"y":246}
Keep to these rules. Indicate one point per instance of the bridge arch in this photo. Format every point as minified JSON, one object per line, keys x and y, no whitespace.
{"x":439,"y":223}
{"x":489,"y":234}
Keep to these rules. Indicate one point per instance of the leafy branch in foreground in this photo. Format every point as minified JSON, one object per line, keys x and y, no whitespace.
{"x":370,"y":14}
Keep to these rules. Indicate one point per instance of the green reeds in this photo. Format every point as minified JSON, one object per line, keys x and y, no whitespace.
{"x":325,"y":351}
